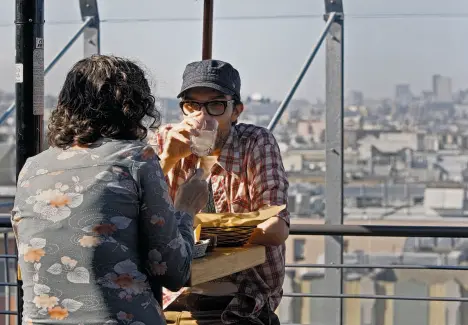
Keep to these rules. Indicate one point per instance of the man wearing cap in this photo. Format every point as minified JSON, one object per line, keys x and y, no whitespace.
{"x":246,"y":173}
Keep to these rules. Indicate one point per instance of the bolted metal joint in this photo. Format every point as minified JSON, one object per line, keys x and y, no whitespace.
{"x":92,"y":32}
{"x":339,"y":16}
{"x":334,"y":6}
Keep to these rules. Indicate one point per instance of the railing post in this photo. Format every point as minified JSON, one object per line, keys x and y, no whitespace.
{"x":92,"y":32}
{"x":334,"y":160}
{"x":29,"y":21}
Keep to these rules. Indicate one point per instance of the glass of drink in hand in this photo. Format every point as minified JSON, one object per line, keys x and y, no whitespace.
{"x":203,"y":144}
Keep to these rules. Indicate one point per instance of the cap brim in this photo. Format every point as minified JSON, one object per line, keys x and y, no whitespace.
{"x":207,"y":85}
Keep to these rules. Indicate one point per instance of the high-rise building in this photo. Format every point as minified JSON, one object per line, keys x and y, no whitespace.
{"x":403,"y":95}
{"x":356,"y":98}
{"x":442,"y":88}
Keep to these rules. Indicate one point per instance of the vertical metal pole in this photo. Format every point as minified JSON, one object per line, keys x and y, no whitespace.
{"x":29,"y":88}
{"x":207,"y":47}
{"x":334,"y":160}
{"x":92,"y":32}
{"x":7,"y":270}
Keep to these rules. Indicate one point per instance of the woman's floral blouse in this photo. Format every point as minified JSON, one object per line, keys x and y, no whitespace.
{"x":95,"y":228}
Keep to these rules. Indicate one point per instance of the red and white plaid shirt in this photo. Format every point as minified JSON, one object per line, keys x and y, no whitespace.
{"x":248,"y":175}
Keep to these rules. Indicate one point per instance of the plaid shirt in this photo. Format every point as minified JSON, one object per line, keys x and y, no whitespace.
{"x":249,"y":175}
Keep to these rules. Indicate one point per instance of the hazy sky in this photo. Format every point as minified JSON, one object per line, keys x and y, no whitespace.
{"x":379,"y":52}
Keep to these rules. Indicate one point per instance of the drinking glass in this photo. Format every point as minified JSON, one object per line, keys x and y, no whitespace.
{"x":203,"y":144}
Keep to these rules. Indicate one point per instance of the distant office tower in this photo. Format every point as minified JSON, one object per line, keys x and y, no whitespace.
{"x":403,"y":95}
{"x":442,"y":88}
{"x":428,"y":96}
{"x":356,"y":98}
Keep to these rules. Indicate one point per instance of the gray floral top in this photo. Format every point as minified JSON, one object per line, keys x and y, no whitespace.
{"x":96,"y":229}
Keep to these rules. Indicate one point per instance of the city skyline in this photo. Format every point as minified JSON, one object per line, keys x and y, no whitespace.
{"x":350,"y":93}
{"x":408,"y":42}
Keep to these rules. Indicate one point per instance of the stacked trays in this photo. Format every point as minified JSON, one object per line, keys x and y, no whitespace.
{"x":228,"y":236}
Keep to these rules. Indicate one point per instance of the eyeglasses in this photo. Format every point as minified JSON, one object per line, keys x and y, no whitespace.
{"x":213,"y":108}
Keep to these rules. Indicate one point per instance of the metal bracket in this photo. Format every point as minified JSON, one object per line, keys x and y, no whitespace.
{"x":334,"y":6}
{"x":339,"y":17}
{"x":92,"y":33}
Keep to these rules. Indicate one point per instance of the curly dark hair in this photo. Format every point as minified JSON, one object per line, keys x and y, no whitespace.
{"x":103,"y":96}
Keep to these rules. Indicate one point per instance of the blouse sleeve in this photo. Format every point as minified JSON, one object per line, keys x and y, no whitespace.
{"x":166,"y":235}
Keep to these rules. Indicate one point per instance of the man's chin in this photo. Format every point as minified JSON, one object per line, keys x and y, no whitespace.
{"x":215,"y":152}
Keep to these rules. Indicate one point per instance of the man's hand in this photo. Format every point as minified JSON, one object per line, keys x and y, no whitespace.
{"x":177,"y":141}
{"x":272,"y":232}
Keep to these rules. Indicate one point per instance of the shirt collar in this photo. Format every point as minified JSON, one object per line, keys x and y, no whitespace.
{"x":229,"y":158}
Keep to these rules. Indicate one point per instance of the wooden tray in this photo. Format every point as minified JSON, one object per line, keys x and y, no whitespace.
{"x":225,"y":261}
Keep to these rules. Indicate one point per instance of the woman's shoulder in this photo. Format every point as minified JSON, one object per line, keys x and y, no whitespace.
{"x":112,"y":146}
{"x":109,"y":151}
{"x":136,"y":151}
{"x":133,"y":154}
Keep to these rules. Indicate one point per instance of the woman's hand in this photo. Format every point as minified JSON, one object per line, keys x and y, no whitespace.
{"x":192,"y":196}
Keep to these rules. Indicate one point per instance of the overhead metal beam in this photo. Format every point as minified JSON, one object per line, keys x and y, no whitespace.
{"x":334,"y":160}
{"x":92,"y":32}
{"x":284,"y":104}
{"x":88,"y":21}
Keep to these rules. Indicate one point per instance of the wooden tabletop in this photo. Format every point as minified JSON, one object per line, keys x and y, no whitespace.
{"x":224,"y":261}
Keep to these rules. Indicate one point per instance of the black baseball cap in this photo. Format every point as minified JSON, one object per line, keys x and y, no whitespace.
{"x":214,"y":74}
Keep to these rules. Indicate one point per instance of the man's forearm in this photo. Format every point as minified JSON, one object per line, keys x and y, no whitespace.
{"x":272,"y":232}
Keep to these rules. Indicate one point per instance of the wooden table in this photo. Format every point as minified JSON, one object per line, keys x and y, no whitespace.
{"x":224,"y":261}
{"x":221,"y":262}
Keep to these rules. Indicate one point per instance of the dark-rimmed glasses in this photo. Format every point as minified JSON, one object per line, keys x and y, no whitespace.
{"x":213,"y":107}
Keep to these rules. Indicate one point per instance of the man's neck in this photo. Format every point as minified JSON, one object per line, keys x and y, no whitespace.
{"x":207,"y":163}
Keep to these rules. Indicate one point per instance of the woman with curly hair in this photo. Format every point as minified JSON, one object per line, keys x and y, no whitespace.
{"x":94,"y":223}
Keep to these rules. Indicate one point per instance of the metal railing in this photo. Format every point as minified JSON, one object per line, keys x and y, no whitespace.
{"x":308,"y":230}
{"x":8,"y":282}
{"x":379,"y":231}
{"x":338,"y":231}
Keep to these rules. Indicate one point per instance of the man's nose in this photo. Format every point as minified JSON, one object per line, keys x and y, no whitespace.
{"x":204,"y":111}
